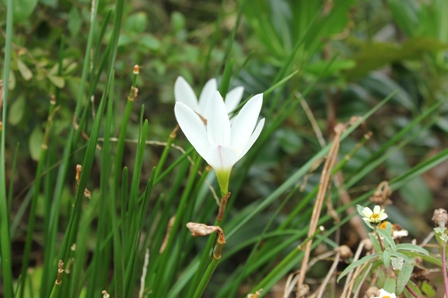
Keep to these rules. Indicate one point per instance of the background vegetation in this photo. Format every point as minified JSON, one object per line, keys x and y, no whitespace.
{"x":70,"y":100}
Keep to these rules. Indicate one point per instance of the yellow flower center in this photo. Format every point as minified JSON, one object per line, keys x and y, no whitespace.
{"x":375,"y":216}
{"x":386,"y":296}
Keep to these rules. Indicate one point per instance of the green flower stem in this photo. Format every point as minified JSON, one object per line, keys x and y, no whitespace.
{"x":445,"y":277}
{"x":222,"y":209}
{"x":211,"y":267}
{"x":208,"y":247}
{"x":223,"y":177}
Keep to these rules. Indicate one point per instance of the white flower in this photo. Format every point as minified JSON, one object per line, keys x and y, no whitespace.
{"x":220,"y":142}
{"x":184,"y":93}
{"x":384,"y":294}
{"x":375,"y":216}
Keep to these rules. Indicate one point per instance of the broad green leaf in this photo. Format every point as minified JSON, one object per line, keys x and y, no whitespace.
{"x":12,"y":80}
{"x":35,"y":143}
{"x":136,"y":22}
{"x":375,"y":55}
{"x":389,"y":285}
{"x":405,"y":15}
{"x":24,"y":70}
{"x":22,"y":9}
{"x":57,"y":81}
{"x":404,"y":276}
{"x":428,"y":289}
{"x":321,"y":69}
{"x":177,"y":21}
{"x":16,"y":111}
{"x":74,"y":21}
{"x":375,"y":242}
{"x":385,"y":256}
{"x":149,"y":42}
{"x":412,"y":247}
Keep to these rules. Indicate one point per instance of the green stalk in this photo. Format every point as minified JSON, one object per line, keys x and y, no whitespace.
{"x":57,"y":284}
{"x":62,"y":173}
{"x":211,"y":268}
{"x":36,"y":190}
{"x":5,"y":245}
{"x":161,"y":283}
{"x":166,"y":150}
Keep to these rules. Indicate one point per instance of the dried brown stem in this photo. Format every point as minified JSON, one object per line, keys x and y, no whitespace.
{"x":324,"y":181}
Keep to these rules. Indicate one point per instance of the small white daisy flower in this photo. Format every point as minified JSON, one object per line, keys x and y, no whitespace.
{"x":375,"y":216}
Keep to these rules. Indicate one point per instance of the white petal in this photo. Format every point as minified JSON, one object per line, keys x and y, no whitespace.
{"x":377,"y":209}
{"x":252,"y":140}
{"x":192,"y":126}
{"x":244,"y":123}
{"x":185,"y":94}
{"x":367,"y":212}
{"x":233,"y":99}
{"x":204,"y":99}
{"x":384,"y":293}
{"x":220,"y":157}
{"x":218,"y":125}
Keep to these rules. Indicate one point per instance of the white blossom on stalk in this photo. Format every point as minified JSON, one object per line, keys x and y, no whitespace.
{"x":220,"y":142}
{"x":384,"y":294}
{"x":184,"y":93}
{"x":375,"y":216}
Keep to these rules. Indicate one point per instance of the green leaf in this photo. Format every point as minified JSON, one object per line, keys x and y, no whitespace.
{"x":389,"y":285}
{"x":374,"y":55}
{"x":375,"y":242}
{"x":35,"y":143}
{"x":16,"y":111}
{"x":387,"y":238}
{"x":74,"y":21}
{"x":149,"y":42}
{"x":51,"y":3}
{"x":24,"y":70}
{"x":385,"y":256}
{"x":404,"y":276}
{"x":412,"y":247}
{"x":405,"y":14}
{"x":403,"y":256}
{"x":177,"y":21}
{"x":57,"y":81}
{"x":12,"y":80}
{"x":428,"y":289}
{"x":356,"y":264}
{"x":22,"y":9}
{"x":322,"y":70}
{"x":414,"y":288}
{"x":136,"y":22}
